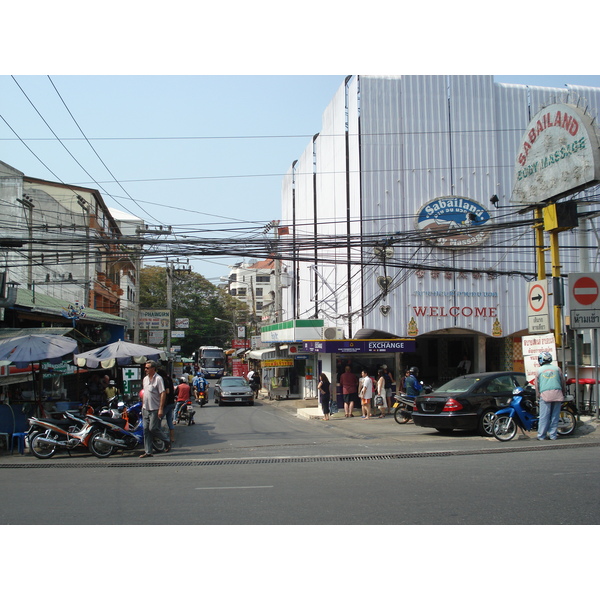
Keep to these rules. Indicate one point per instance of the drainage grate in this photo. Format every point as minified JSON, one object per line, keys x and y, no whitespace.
{"x":111,"y":464}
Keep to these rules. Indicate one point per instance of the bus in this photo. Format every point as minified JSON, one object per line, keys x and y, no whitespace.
{"x":211,"y":360}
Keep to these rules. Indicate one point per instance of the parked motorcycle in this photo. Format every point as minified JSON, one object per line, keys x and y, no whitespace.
{"x":46,"y":435}
{"x":112,"y":434}
{"x":523,"y":413}
{"x":405,"y":405}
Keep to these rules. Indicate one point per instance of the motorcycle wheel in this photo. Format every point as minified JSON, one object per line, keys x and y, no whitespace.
{"x":401,"y":416}
{"x":504,"y":428}
{"x":39,"y":448}
{"x":158,"y":445}
{"x":98,"y":448}
{"x":566,"y":422}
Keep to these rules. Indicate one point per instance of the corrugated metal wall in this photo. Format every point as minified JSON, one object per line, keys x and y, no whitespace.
{"x":421,"y":138}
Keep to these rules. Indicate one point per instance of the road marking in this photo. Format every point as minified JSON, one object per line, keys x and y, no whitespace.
{"x":240,"y":487}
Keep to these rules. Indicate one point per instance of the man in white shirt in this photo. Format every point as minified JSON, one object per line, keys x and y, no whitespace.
{"x":154,"y":398}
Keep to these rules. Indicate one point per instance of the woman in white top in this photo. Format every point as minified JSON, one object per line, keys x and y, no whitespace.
{"x":366,"y":393}
{"x":381,"y":392}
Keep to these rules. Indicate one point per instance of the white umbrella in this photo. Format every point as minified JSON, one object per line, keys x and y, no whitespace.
{"x":120,"y":353}
{"x":28,"y":349}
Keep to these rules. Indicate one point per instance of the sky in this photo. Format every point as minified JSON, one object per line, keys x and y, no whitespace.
{"x":191,"y":152}
{"x":193,"y":118}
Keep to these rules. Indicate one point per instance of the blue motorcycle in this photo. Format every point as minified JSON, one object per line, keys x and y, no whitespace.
{"x":522,"y":413}
{"x":125,"y":433}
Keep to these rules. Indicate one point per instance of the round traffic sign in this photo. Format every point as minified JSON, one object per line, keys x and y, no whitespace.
{"x":537,"y":297}
{"x":585,"y":291}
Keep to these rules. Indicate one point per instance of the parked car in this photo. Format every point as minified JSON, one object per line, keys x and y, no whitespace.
{"x":233,"y":389}
{"x":467,"y":402}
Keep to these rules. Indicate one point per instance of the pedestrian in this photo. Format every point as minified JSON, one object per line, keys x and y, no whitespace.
{"x":154,"y":397}
{"x":464,"y":366}
{"x":183,"y":395}
{"x":111,"y":390}
{"x":389,"y":383}
{"x":366,"y":394}
{"x":169,"y":403}
{"x":255,"y":383}
{"x":380,"y":396}
{"x":324,"y":388}
{"x":412,"y":384}
{"x":550,"y":389}
{"x":349,"y":383}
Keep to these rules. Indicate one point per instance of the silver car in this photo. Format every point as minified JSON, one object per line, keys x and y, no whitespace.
{"x":234,"y":390}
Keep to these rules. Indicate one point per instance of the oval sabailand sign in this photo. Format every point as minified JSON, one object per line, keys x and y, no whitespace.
{"x":453,"y":222}
{"x":558,"y":155}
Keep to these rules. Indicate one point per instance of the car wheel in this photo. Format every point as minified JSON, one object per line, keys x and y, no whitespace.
{"x":251,"y":403}
{"x":486,"y":422}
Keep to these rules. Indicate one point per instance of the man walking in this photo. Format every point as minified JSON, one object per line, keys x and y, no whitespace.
{"x":154,"y":398}
{"x":550,"y":388}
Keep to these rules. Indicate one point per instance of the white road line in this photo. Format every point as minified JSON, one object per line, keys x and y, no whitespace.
{"x":240,"y":487}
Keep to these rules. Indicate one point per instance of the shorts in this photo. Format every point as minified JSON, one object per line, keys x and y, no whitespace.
{"x":364,"y":401}
{"x":349,"y":398}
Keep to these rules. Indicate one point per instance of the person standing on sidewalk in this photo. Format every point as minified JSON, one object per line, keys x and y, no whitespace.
{"x":324,"y":388}
{"x":550,"y":389}
{"x":154,"y":398}
{"x":366,"y":394}
{"x":349,"y":383}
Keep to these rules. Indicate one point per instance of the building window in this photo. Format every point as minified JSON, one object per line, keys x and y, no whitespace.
{"x":259,"y":306}
{"x":259,"y":292}
{"x":263,"y":278}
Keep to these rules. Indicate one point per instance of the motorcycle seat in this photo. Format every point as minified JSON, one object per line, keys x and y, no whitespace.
{"x":118,"y":422}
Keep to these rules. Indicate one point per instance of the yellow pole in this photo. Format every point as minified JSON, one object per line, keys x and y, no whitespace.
{"x":539,"y":245}
{"x":554,"y":253}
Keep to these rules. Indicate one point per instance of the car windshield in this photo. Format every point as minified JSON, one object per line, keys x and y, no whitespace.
{"x":233,"y":382}
{"x":460,"y":384}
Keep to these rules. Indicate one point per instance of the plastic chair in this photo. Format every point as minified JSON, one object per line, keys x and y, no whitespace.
{"x":20,"y":442}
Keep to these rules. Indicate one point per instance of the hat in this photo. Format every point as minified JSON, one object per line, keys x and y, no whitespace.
{"x":384,"y":366}
{"x":111,"y":382}
{"x":183,"y":378}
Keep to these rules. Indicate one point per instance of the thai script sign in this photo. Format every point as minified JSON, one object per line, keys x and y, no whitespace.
{"x":155,"y":319}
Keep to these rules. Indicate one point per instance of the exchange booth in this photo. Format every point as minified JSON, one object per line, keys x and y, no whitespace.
{"x":369,"y":354}
{"x":277,"y":374}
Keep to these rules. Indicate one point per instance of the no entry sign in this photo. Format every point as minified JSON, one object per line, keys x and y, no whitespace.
{"x":584,"y":300}
{"x":585,"y":291}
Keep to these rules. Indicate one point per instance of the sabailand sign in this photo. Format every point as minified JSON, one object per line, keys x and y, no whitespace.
{"x":558,"y":155}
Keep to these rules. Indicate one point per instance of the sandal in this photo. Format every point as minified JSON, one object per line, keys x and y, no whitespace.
{"x":144,"y":455}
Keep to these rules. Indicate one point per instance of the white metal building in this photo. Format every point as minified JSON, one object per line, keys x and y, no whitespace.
{"x":392,"y":154}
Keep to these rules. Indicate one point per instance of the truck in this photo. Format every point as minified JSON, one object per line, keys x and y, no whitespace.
{"x":211,"y":361}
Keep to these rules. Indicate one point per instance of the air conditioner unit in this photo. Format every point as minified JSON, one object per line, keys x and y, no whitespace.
{"x":333,"y":333}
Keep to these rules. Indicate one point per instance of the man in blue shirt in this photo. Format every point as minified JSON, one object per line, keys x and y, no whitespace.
{"x":412,"y":384}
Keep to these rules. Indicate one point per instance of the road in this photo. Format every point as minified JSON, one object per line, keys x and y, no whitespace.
{"x":263,"y":465}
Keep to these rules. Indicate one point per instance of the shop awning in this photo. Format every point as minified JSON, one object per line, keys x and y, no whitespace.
{"x":258,"y":354}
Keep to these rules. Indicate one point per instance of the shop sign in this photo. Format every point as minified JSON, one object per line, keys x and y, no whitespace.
{"x":359,"y":346}
{"x":278,"y":362}
{"x":558,"y":155}
{"x":453,"y":222}
{"x":155,"y":319}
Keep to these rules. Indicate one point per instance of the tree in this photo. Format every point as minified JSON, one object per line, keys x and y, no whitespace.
{"x":196,"y":299}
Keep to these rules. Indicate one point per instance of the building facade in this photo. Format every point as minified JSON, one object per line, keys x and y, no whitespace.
{"x":402,"y":222}
{"x":61,"y":251}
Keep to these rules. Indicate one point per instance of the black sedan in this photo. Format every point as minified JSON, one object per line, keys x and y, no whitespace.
{"x":467,"y":402}
{"x":234,"y":390}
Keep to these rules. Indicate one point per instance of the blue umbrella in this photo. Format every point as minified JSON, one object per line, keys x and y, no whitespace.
{"x":28,"y":349}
